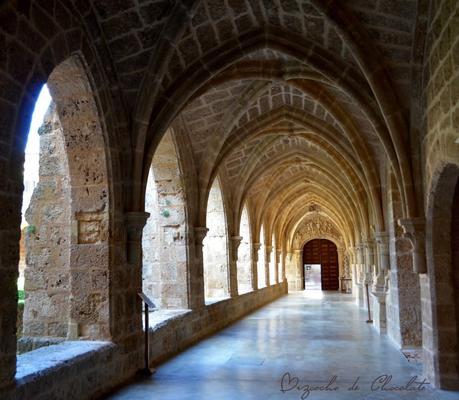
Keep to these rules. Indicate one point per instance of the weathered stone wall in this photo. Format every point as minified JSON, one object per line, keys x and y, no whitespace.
{"x":441,"y":92}
{"x":215,"y":251}
{"x":85,"y":147}
{"x":440,"y":158}
{"x":165,"y":271}
{"x":48,"y":238}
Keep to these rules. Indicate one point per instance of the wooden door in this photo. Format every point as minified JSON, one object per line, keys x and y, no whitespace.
{"x":323,"y":252}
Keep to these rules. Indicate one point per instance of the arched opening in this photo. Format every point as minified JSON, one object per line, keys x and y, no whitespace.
{"x":65,"y":249}
{"x":441,"y":332}
{"x":244,"y":265}
{"x":320,"y":265}
{"x":215,"y":247}
{"x":261,"y":267}
{"x":164,"y":247}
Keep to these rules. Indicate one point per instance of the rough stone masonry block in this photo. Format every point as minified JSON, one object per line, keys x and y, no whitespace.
{"x":92,"y":227}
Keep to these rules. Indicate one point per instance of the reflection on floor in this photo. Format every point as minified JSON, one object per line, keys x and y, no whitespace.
{"x":316,"y":338}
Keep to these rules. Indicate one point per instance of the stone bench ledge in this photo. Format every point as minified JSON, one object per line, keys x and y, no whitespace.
{"x":36,"y":364}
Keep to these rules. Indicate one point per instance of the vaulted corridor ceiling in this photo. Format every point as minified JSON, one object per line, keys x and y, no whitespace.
{"x":191,"y":151}
{"x":296,"y":106}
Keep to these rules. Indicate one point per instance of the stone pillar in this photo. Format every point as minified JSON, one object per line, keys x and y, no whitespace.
{"x":359,"y":288}
{"x":134,"y":222}
{"x":382,"y":242}
{"x":128,"y":309}
{"x":196,"y":287}
{"x":290,"y":270}
{"x":369,"y":261}
{"x":234,"y":245}
{"x":353,"y":262}
{"x":414,"y":231}
{"x":255,"y":249}
{"x":298,"y":269}
{"x":283,"y":273}
{"x":277,"y":261}
{"x":268,"y":250}
{"x":340,"y":265}
{"x":403,"y":300}
{"x":378,"y":293}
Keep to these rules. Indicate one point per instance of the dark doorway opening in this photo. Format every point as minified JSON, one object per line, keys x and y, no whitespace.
{"x":323,"y":252}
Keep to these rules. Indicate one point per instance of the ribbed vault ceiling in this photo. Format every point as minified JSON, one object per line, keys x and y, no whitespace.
{"x":294,"y":105}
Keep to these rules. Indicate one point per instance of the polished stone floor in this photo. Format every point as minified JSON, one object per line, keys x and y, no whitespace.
{"x":299,"y":342}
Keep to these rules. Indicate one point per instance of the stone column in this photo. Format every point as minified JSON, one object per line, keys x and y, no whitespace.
{"x":268,"y":250}
{"x":414,"y":231}
{"x":298,"y":269}
{"x":369,"y":271}
{"x":234,"y":245}
{"x":378,"y":292}
{"x":382,"y":242}
{"x":135,"y":222}
{"x":276,"y":263}
{"x":353,"y":262}
{"x":369,"y":261}
{"x":283,"y":273}
{"x":359,"y":288}
{"x":196,"y":287}
{"x":290,"y":270}
{"x":403,"y":300}
{"x":340,"y":265}
{"x":128,"y":310}
{"x":255,"y":249}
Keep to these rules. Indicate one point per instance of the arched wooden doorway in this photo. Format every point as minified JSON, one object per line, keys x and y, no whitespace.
{"x":323,"y":252}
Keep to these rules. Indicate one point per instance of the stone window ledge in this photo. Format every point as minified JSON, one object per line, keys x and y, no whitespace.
{"x":49,"y":360}
{"x":160,"y":318}
{"x":211,"y":302}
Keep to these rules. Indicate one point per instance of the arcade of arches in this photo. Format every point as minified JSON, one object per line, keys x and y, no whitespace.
{"x":193,"y":148}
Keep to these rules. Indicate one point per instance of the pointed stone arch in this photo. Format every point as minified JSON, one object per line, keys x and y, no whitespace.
{"x":165,"y":264}
{"x":440,"y":286}
{"x":215,"y":250}
{"x":67,"y":277}
{"x":244,"y":261}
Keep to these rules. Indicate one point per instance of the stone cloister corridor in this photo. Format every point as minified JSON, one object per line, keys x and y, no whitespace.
{"x":216,"y":158}
{"x":313,"y":336}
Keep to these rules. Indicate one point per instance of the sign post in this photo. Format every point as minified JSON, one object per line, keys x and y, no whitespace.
{"x":369,"y":320}
{"x":147,"y":371}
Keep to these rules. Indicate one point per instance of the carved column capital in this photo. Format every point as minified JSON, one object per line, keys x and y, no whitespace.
{"x":235,"y":242}
{"x":135,"y":221}
{"x":255,"y":249}
{"x":382,"y":241}
{"x":268,"y":250}
{"x":200,"y":233}
{"x":278,"y":255}
{"x":414,"y":231}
